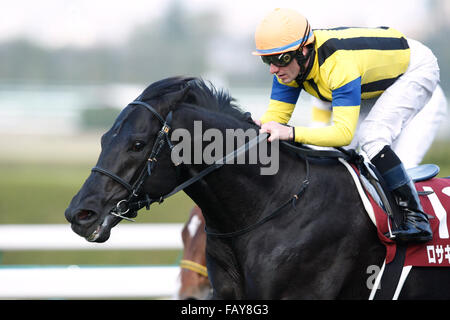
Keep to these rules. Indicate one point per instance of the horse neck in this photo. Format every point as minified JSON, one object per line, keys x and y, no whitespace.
{"x":236,"y":195}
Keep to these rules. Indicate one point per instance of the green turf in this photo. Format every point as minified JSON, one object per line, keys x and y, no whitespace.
{"x":39,"y":192}
{"x":89,"y":257}
{"x":439,"y":154}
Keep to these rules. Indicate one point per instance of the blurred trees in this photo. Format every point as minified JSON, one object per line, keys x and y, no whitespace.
{"x":438,"y":37}
{"x":176,"y":44}
{"x":172,"y":46}
{"x":179,"y":43}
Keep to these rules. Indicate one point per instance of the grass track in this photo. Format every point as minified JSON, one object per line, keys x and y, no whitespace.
{"x":36,"y":189}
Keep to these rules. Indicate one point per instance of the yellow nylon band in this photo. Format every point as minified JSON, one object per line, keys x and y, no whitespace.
{"x":194,"y":266}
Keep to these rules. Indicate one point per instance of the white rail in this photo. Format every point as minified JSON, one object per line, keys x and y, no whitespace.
{"x":60,"y":237}
{"x":39,"y":282}
{"x":47,"y":282}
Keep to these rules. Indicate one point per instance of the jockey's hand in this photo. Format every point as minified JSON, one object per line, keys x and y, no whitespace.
{"x":277,"y":131}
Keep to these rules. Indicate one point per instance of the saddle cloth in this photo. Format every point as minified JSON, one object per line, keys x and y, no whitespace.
{"x":435,"y":203}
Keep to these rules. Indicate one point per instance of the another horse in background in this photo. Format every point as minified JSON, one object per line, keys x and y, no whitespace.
{"x":193,"y":278}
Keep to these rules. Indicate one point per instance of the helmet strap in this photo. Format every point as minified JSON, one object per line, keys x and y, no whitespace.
{"x":301,"y":59}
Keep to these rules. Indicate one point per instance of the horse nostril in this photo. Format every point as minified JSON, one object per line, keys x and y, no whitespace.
{"x":84,"y":215}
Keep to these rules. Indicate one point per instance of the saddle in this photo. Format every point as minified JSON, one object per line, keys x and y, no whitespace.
{"x":434,"y":194}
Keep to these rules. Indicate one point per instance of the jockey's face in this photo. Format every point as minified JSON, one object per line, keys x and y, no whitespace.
{"x":288,"y":73}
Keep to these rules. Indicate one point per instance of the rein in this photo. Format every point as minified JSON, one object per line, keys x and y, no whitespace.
{"x":272,"y":215}
{"x":126,"y":207}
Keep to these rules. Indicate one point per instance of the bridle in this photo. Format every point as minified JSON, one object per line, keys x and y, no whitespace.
{"x":127,"y":208}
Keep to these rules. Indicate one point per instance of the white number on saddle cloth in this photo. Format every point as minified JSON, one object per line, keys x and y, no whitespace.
{"x":439,"y":210}
{"x":446,"y":191}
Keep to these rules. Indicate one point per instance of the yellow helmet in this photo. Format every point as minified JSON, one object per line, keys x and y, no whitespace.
{"x":282,"y":30}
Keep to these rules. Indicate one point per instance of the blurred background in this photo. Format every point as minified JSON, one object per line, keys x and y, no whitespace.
{"x":67,"y":68}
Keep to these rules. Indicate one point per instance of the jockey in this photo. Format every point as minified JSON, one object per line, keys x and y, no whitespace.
{"x":341,"y":67}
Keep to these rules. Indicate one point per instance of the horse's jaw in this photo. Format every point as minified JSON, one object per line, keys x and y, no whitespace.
{"x":100,"y":231}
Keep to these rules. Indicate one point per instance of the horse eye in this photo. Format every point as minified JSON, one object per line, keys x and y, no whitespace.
{"x":138,"y":146}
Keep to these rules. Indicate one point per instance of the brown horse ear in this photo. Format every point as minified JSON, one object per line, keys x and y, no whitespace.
{"x":174,"y":98}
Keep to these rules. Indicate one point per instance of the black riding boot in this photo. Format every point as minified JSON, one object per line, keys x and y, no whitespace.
{"x":415,"y":226}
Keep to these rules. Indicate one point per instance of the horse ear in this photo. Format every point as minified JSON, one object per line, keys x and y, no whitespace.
{"x":173,"y":98}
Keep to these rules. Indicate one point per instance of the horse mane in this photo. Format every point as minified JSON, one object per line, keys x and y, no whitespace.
{"x":201,"y":93}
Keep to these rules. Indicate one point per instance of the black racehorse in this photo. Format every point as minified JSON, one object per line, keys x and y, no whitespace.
{"x":269,"y":236}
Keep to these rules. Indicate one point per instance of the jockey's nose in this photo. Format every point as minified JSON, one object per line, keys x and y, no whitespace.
{"x":274,"y":69}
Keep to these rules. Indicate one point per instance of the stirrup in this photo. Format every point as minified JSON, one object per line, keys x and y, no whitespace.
{"x":418,"y":231}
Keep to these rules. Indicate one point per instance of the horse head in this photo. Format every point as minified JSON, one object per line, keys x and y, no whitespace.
{"x":135,"y":166}
{"x":130,"y":153}
{"x":193,"y":278}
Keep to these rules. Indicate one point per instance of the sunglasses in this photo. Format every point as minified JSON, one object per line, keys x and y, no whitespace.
{"x":279,"y":60}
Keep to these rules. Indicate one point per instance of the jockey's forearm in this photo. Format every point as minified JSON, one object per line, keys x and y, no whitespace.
{"x":340,"y":133}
